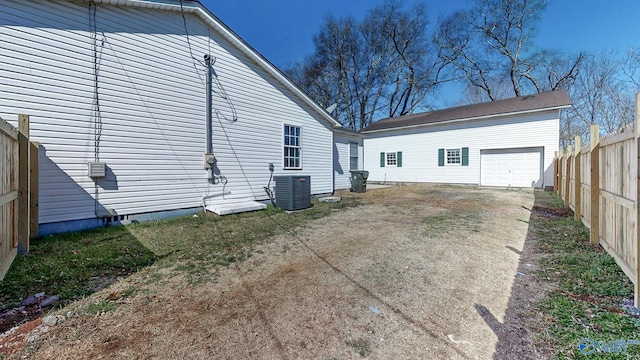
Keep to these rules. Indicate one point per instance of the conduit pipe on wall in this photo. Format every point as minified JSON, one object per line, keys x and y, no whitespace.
{"x":209,"y":154}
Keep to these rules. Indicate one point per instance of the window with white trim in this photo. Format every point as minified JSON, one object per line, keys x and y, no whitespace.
{"x":454,"y":156}
{"x":392,"y":159}
{"x":292,"y":147}
{"x":353,"y":156}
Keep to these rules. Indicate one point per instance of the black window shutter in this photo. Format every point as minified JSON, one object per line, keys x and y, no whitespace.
{"x":399,"y":158}
{"x":440,"y":157}
{"x":382,"y":159}
{"x":465,"y":156}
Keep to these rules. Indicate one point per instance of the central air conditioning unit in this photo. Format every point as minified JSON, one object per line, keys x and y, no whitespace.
{"x":293,"y":192}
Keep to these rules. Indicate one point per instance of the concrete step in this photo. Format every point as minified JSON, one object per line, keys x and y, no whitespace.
{"x":235,"y":206}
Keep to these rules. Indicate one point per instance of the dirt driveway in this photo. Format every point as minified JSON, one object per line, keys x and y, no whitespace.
{"x":417,"y":272}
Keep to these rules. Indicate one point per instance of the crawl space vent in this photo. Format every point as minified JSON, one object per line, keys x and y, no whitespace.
{"x":97,"y":170}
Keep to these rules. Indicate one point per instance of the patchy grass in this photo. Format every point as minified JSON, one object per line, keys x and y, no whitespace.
{"x":361,"y":346}
{"x":75,"y":265}
{"x":274,"y":297}
{"x":591,"y":290}
{"x":442,"y":223}
{"x":101,"y":306}
{"x":199,"y":244}
{"x":459,"y":212}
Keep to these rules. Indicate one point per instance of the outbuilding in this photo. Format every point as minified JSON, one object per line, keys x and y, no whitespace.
{"x":508,"y":143}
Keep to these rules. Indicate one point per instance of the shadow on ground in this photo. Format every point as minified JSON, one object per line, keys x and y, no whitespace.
{"x":515,"y":339}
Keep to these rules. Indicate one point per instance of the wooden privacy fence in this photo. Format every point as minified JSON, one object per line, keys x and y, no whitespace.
{"x":18,"y":191}
{"x":600,"y":183}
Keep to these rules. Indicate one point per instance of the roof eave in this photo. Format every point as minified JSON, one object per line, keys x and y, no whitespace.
{"x":347,"y":132}
{"x":466,"y":119}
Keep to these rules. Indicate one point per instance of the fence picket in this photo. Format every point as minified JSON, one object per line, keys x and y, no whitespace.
{"x":602,"y":183}
{"x":15,"y":191}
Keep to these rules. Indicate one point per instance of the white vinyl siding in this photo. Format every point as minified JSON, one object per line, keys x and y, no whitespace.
{"x":151,"y":107}
{"x":421,"y":147}
{"x":342,"y":158}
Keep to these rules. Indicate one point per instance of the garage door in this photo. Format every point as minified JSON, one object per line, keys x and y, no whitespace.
{"x":512,"y":167}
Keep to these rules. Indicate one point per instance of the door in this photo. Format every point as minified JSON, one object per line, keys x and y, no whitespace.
{"x":512,"y":167}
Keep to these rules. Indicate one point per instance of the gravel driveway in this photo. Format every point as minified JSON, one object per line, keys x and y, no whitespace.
{"x":416,"y":272}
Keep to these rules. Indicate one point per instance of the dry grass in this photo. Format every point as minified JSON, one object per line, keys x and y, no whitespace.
{"x":437,"y":261}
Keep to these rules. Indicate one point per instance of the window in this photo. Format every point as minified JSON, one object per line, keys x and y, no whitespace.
{"x":353,"y":156}
{"x":292,"y":147}
{"x":453,"y":157}
{"x":391,"y":159}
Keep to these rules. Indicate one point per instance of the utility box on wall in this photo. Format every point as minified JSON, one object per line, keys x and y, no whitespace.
{"x":293,"y":192}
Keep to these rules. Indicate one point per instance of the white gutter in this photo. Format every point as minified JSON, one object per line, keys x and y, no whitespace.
{"x":466,"y":119}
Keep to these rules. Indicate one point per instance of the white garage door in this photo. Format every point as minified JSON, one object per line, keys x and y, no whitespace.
{"x":512,"y":167}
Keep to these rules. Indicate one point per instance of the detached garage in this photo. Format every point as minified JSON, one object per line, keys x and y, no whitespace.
{"x":508,"y":143}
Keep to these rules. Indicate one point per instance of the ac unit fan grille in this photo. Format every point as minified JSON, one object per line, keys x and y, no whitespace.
{"x":293,"y":192}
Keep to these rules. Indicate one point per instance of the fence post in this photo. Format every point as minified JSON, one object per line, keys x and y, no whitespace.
{"x":636,"y":287}
{"x":594,"y":236}
{"x":567,"y":179}
{"x":23,"y":184}
{"x":555,"y":172}
{"x":34,"y":151}
{"x":560,"y":174}
{"x":577,"y":214}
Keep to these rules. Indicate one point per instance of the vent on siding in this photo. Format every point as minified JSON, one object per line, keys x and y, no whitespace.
{"x":293,"y":192}
{"x":97,"y":170}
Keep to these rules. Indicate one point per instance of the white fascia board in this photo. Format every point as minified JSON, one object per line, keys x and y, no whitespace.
{"x":208,"y":17}
{"x":344,"y":132}
{"x":468,"y":119}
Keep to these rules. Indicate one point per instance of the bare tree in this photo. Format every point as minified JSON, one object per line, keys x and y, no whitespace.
{"x":631,"y":67}
{"x":494,"y":41}
{"x":416,"y":67}
{"x":500,"y":89}
{"x":383,"y":66}
{"x":600,"y":96}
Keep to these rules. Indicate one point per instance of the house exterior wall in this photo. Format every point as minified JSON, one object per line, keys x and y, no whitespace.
{"x":419,"y":147}
{"x":342,"y":159}
{"x":141,"y":109}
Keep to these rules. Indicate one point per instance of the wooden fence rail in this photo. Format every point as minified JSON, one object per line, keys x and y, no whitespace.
{"x":18,"y":191}
{"x":600,"y":184}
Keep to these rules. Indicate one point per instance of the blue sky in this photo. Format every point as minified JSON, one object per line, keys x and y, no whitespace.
{"x":283,"y":30}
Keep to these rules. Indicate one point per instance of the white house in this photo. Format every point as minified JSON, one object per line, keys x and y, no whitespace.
{"x":123,"y":83}
{"x":347,"y":155}
{"x":501,"y":143}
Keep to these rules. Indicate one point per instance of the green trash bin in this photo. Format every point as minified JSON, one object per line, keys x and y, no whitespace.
{"x":359,"y":181}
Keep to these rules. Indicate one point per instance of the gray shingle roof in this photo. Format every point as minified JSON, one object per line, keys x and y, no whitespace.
{"x":543,"y":101}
